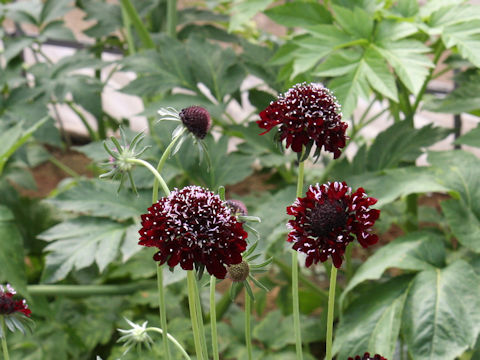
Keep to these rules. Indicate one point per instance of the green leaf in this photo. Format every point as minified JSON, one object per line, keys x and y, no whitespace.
{"x":299,"y":14}
{"x":463,"y":222}
{"x":472,"y":138}
{"x":389,"y":185}
{"x":274,"y":331}
{"x":357,"y":22}
{"x":13,"y":47}
{"x":416,"y":251}
{"x":15,"y":137}
{"x":372,"y":322}
{"x":408,"y":59}
{"x":464,"y":98}
{"x":214,"y":67}
{"x":466,"y":37}
{"x":400,"y":143}
{"x":459,"y":171}
{"x":442,"y":313}
{"x":100,"y":198}
{"x":108,"y":18}
{"x":54,"y":9}
{"x":378,"y":74}
{"x":244,"y":10}
{"x":78,"y":243}
{"x":11,"y":252}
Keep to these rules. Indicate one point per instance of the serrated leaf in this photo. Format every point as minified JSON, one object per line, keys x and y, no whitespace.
{"x":54,"y":9}
{"x":408,"y":59}
{"x":463,"y":222}
{"x":299,"y":14}
{"x":399,"y":143}
{"x":378,"y":74}
{"x":442,"y":313}
{"x":466,"y":37}
{"x":372,"y":322}
{"x":243,"y":10}
{"x":12,"y":269}
{"x":100,"y":198}
{"x":357,"y":22}
{"x":416,"y":251}
{"x":389,"y":185}
{"x":75,"y":244}
{"x":108,"y":18}
{"x":472,"y":138}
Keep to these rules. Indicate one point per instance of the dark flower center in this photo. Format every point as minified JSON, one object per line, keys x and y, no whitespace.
{"x":7,"y":305}
{"x":327,"y":216}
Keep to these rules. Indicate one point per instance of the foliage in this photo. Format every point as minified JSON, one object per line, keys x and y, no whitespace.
{"x":416,"y":294}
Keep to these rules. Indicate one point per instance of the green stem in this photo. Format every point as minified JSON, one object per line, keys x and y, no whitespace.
{"x":162,"y":161}
{"x":162,"y":310}
{"x":63,"y":167}
{"x":213,"y":318}
{"x":172,"y":339}
{"x":201,"y":327}
{"x":331,"y":308}
{"x":248,"y":325}
{"x":296,"y":305}
{"x":412,"y":212}
{"x":193,"y":313}
{"x":155,"y":173}
{"x":88,"y":290}
{"x":143,"y":34}
{"x":172,"y":18}
{"x":128,"y":32}
{"x":4,"y":338}
{"x":92,"y":133}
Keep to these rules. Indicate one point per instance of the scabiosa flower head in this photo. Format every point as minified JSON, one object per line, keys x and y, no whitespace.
{"x":238,"y":272}
{"x":197,"y":120}
{"x":8,"y":305}
{"x":192,"y":226}
{"x":307,"y":115}
{"x":367,"y":356}
{"x":326,"y":219}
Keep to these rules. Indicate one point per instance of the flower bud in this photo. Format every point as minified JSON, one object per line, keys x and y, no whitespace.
{"x":197,"y":120}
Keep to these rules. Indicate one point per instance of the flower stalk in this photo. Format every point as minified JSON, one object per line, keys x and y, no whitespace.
{"x":4,"y":338}
{"x":172,"y":340}
{"x":192,"y":303}
{"x":248,"y":325}
{"x":331,"y":309}
{"x":296,"y":305}
{"x":201,"y":327}
{"x":213,"y":318}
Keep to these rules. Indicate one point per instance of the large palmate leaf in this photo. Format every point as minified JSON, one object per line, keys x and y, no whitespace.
{"x":12,"y":269}
{"x":416,"y":251}
{"x":78,"y":243}
{"x":441,"y":318}
{"x":100,"y":198}
{"x":372,"y":321}
{"x":460,"y":172}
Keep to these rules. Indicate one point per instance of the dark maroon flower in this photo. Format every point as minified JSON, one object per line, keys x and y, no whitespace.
{"x":8,"y":305}
{"x":192,"y":226}
{"x":197,"y":120}
{"x":307,"y":114}
{"x":326,"y":219}
{"x":367,"y":356}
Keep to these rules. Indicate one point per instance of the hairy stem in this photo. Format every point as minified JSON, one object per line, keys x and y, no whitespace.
{"x":248,"y":325}
{"x":155,"y":173}
{"x":172,"y":340}
{"x":193,"y":313}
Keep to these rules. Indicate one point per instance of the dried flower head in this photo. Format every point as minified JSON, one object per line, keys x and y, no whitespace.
{"x":367,"y":356}
{"x":238,"y":272}
{"x":136,"y":336}
{"x":197,"y":120}
{"x":307,"y":115}
{"x":326,"y":219}
{"x":8,"y":305}
{"x":192,"y":226}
